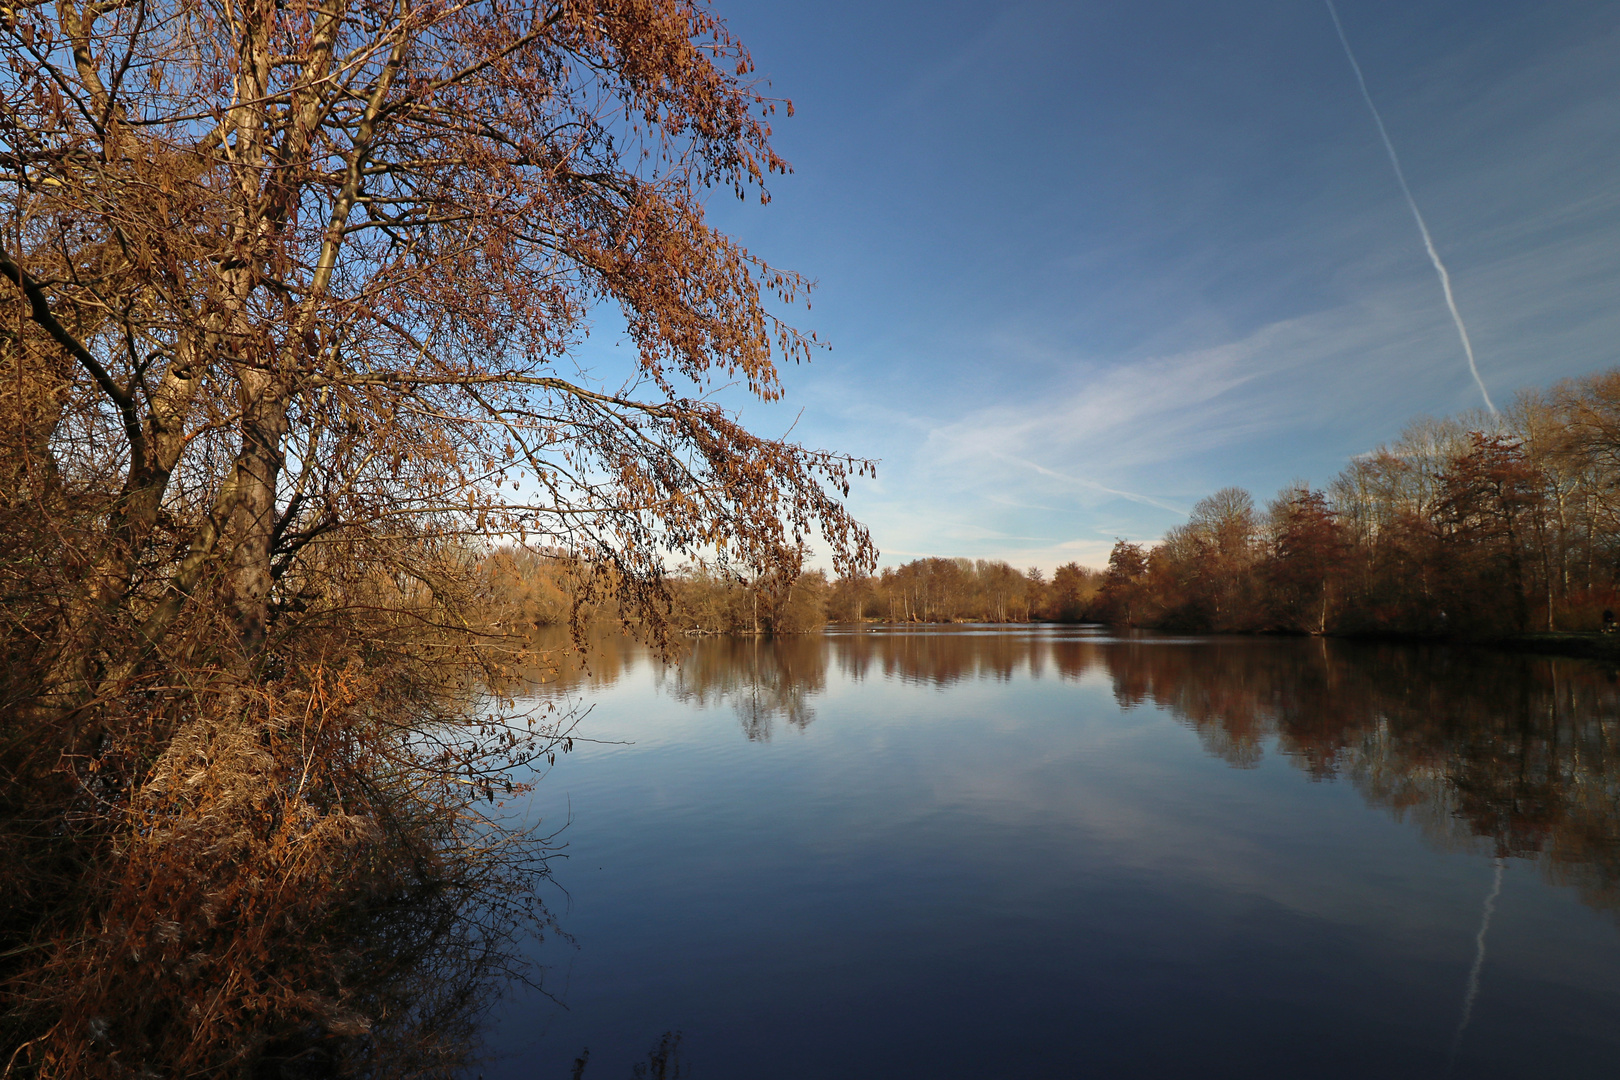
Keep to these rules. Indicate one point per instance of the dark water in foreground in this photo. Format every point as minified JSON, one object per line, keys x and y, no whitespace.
{"x":1045,"y":852}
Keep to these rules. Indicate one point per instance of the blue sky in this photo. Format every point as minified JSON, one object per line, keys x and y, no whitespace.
{"x":1083,"y":263}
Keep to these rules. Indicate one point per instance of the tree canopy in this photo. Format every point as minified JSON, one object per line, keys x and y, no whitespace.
{"x":290,"y":299}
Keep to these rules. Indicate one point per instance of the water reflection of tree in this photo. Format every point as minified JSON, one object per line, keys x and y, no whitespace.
{"x":763,"y":679}
{"x":554,"y":663}
{"x":938,"y":658}
{"x":1510,"y":755}
{"x":1506,"y":755}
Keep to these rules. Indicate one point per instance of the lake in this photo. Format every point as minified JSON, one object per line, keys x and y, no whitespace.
{"x":1049,"y":851}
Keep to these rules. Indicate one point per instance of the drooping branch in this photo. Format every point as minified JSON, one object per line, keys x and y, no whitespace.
{"x":40,"y":312}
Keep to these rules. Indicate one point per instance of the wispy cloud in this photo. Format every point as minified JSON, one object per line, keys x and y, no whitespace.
{"x":1153,"y":432}
{"x":1197,"y":297}
{"x":1107,"y":428}
{"x":1147,"y":500}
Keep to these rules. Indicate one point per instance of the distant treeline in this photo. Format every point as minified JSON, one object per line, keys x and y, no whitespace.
{"x":966,"y":590}
{"x":534,"y":589}
{"x":1473,"y":525}
{"x":530,"y":589}
{"x":1478,"y":525}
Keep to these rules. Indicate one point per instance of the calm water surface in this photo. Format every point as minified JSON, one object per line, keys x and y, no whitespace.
{"x":1047,"y":852}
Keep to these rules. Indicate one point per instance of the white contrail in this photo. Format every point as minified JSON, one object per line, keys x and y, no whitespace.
{"x":1092,"y":484}
{"x":1428,"y":241}
{"x":1479,"y":962}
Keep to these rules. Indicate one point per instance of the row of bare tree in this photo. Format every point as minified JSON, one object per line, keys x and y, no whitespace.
{"x":1475,"y":525}
{"x":526,"y":590}
{"x":964,"y":590}
{"x":529,"y":589}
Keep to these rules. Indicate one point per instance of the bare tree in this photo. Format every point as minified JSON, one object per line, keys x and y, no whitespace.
{"x":316,"y":265}
{"x":290,"y":294}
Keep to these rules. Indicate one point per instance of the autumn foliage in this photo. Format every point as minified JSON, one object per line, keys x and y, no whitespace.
{"x":963,"y":590}
{"x":289,"y":300}
{"x":1480,"y":526}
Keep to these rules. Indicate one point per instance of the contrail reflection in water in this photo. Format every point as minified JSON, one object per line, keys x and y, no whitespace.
{"x":1479,"y":962}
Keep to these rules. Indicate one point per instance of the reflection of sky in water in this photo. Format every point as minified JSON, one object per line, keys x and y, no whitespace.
{"x":956,"y":854}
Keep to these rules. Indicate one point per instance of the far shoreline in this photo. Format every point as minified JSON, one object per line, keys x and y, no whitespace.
{"x":1573,"y":644}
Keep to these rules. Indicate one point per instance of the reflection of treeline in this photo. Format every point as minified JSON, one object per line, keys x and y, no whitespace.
{"x":946,"y":657}
{"x":762,"y":680}
{"x":1512,"y":755}
{"x":1481,"y":525}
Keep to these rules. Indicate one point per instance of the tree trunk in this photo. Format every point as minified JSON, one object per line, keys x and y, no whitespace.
{"x":252,"y":520}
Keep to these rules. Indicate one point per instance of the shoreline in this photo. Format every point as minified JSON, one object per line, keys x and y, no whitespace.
{"x":1574,"y":644}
